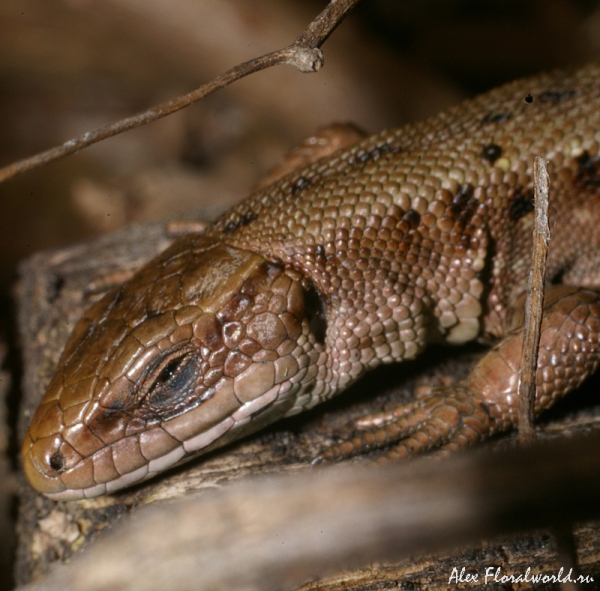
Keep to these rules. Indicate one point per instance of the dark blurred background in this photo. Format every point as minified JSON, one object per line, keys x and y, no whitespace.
{"x":69,"y":66}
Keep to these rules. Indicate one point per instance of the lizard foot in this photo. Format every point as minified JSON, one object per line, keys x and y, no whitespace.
{"x":446,"y":419}
{"x":485,"y":401}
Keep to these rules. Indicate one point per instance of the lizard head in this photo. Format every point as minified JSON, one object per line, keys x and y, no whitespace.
{"x":203,"y":345}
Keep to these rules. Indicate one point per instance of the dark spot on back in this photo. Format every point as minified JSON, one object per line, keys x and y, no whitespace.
{"x":300,"y":184}
{"x":242,"y":221}
{"x":585,"y":163}
{"x":491,"y":153}
{"x":374,"y":154}
{"x":521,"y":204}
{"x":461,"y":201}
{"x":528,"y":99}
{"x":588,"y":170}
{"x":463,"y":207}
{"x":464,"y":193}
{"x":496,"y":117}
{"x":412,"y":217}
{"x":554,"y":96}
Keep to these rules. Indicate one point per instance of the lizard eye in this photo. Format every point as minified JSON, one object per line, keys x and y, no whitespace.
{"x":168,"y":372}
{"x":173,"y":382}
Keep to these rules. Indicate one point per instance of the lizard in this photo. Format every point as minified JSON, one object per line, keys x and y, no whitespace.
{"x":358,"y":252}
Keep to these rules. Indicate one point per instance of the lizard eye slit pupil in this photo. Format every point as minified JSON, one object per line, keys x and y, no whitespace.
{"x":168,"y":372}
{"x":173,"y":382}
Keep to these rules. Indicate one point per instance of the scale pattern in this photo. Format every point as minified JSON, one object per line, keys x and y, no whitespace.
{"x":356,"y":252}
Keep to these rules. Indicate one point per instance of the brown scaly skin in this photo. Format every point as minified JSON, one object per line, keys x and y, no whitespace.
{"x":354,"y":258}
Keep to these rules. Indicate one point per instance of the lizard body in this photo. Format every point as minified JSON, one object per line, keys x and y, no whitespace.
{"x":337,"y":264}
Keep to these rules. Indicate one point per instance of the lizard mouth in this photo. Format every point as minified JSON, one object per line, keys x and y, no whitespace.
{"x":146,"y":383}
{"x":53,"y":468}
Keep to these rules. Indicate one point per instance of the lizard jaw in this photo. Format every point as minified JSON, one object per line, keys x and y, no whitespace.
{"x":175,"y":382}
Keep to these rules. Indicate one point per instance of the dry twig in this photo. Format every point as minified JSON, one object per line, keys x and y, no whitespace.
{"x":534,"y":303}
{"x":304,"y":54}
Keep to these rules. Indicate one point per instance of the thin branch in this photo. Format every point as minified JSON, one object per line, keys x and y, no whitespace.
{"x":534,"y":303}
{"x":304,"y":54}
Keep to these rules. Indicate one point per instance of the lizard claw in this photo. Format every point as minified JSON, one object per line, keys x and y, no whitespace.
{"x":446,"y":419}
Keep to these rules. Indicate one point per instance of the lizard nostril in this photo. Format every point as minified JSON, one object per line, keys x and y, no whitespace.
{"x":57,"y":462}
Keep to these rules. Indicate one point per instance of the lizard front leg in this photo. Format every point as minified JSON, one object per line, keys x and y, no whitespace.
{"x":485,"y":402}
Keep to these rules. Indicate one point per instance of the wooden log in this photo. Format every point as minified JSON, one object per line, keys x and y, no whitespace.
{"x":52,"y":294}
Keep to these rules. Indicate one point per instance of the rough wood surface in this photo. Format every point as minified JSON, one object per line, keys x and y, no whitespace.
{"x":52,"y":296}
{"x":271,"y":533}
{"x":6,"y":479}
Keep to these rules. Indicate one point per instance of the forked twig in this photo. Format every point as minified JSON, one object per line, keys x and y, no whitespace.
{"x":304,"y":54}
